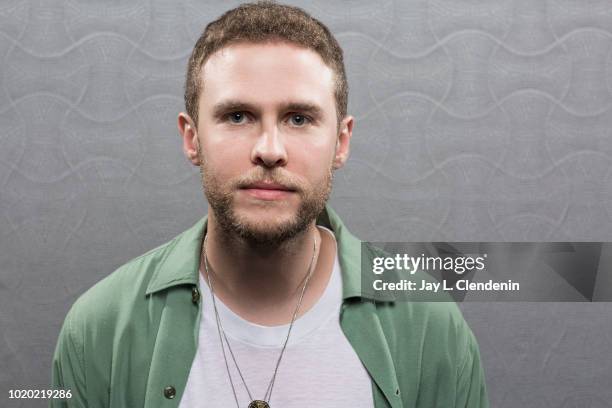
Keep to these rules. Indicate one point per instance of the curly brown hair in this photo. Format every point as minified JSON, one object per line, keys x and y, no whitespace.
{"x":261,"y":22}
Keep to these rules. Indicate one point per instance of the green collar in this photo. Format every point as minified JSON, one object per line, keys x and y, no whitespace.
{"x":181,"y":257}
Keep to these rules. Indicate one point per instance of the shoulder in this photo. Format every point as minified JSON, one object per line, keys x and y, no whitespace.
{"x":431,"y":317}
{"x":119,"y":316}
{"x":117,"y":294}
{"x":440,"y":323}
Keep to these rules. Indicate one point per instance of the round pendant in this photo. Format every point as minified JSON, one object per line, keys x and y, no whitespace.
{"x":259,"y":404}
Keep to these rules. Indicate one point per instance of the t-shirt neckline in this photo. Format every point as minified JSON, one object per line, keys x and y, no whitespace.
{"x":257,"y":335}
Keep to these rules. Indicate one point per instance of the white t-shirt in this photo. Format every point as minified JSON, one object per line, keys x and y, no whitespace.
{"x":319,"y":366}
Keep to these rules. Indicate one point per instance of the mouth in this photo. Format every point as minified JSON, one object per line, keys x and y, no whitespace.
{"x":268,"y":191}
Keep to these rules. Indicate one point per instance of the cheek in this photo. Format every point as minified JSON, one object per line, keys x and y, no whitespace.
{"x":227,"y":158}
{"x":320,"y":149}
{"x":311,"y":160}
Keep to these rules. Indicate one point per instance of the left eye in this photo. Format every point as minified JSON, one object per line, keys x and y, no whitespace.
{"x":298,"y":120}
{"x":237,"y":117}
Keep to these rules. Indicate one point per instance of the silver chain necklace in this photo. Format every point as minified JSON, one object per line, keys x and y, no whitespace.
{"x":268,"y":395}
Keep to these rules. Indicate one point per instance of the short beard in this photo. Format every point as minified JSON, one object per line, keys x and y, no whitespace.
{"x":221,"y":202}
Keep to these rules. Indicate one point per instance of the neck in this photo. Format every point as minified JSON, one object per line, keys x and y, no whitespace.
{"x":263,"y":284}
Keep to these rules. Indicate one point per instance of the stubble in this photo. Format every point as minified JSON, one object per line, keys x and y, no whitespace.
{"x":221,"y":200}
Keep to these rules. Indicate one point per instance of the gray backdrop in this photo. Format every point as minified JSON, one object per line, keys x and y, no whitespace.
{"x":486,"y":122}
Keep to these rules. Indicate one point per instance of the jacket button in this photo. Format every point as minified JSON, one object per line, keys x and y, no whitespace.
{"x":169,"y":392}
{"x":195,"y":295}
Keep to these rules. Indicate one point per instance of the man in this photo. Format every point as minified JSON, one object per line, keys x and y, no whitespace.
{"x":259,"y":304}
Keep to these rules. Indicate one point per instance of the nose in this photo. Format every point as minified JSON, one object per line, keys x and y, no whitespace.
{"x":269,"y":150}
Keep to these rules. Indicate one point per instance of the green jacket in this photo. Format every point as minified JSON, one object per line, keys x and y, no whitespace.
{"x":129,"y":341}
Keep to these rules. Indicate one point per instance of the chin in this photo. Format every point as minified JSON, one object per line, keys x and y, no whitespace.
{"x":282,"y":211}
{"x":269,"y":228}
{"x":267,"y":221}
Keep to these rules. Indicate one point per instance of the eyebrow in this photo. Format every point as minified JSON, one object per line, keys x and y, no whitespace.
{"x":224,"y":107}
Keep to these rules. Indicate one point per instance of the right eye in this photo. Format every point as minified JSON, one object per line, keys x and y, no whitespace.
{"x":237,"y":118}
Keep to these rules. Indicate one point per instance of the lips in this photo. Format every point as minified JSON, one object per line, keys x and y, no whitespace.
{"x":268,"y":191}
{"x":261,"y":185}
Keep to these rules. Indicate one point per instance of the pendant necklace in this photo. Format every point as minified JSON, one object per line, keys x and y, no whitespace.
{"x":268,"y":395}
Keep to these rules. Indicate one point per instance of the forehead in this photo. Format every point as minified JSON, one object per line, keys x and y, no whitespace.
{"x":267,"y":73}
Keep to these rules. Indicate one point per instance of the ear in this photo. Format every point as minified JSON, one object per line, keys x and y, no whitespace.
{"x":343,"y":142}
{"x":189,"y":132}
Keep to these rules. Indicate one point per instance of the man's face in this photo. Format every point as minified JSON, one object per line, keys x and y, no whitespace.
{"x":267,"y":135}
